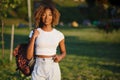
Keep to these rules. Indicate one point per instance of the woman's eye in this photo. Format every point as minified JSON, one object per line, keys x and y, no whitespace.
{"x":43,"y":15}
{"x":50,"y":14}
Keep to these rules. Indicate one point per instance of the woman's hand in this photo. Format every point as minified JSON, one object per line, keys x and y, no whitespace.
{"x":35,"y":33}
{"x":57,"y":58}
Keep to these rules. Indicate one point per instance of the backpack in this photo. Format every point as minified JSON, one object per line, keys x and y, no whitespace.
{"x":23,"y":64}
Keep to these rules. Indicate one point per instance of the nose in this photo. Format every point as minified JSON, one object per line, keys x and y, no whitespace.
{"x":46,"y":17}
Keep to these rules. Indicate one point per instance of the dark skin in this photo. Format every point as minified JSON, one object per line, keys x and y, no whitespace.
{"x":47,"y":26}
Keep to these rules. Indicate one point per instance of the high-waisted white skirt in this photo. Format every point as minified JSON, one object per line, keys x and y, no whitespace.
{"x":46,"y":69}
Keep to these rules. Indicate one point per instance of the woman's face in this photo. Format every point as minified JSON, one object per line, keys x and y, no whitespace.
{"x":47,"y":17}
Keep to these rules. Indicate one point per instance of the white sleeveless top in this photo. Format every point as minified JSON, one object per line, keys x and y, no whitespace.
{"x":47,"y":42}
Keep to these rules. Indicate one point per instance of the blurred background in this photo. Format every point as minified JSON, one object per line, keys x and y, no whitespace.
{"x":91,"y":29}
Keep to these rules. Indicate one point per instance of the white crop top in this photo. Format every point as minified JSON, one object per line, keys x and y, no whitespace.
{"x":46,"y":43}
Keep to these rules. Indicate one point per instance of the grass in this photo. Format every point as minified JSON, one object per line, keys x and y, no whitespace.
{"x":91,"y":54}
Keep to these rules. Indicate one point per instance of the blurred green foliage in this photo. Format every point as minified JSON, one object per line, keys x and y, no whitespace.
{"x":8,"y":5}
{"x":70,"y":10}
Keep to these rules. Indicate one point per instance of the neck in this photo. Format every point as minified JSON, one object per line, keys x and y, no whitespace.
{"x":47,"y":27}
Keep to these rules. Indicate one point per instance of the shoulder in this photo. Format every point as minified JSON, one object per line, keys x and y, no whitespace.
{"x":39,"y":29}
{"x":57,"y":31}
{"x":59,"y":34}
{"x":32,"y":31}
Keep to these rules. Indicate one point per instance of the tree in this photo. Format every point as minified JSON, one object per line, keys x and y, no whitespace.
{"x":5,"y":5}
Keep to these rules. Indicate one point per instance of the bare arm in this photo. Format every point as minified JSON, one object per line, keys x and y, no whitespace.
{"x":62,"y":51}
{"x":62,"y":48}
{"x":30,"y":49}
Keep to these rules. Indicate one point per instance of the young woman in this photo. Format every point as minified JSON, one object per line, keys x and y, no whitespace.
{"x":45,"y":39}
